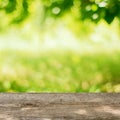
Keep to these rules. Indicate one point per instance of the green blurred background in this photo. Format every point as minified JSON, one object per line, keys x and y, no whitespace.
{"x":59,"y":45}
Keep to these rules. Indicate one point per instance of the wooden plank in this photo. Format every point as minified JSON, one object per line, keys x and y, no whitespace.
{"x":51,"y":106}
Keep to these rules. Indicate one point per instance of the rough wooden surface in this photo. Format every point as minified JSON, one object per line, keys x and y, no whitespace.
{"x":28,"y":106}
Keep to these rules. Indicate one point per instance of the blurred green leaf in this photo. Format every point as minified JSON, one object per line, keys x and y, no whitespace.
{"x":11,"y":6}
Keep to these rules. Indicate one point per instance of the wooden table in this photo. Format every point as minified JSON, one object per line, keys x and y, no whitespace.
{"x":58,"y":106}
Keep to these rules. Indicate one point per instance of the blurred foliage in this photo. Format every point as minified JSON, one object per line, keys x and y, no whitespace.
{"x":56,"y":8}
{"x":16,"y":10}
{"x":63,"y":72}
{"x":100,"y":9}
{"x":22,"y":71}
{"x":82,"y":9}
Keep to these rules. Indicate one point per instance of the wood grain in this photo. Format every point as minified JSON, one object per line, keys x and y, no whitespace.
{"x":58,"y":106}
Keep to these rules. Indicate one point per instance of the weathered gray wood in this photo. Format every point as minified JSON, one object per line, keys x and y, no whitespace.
{"x":31,"y":106}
